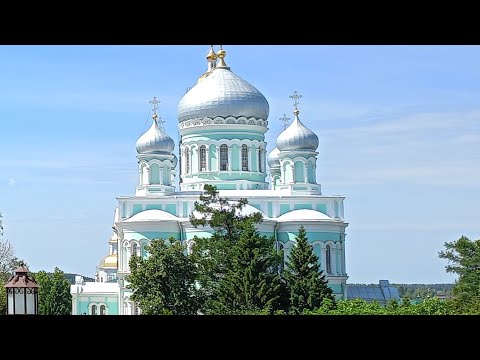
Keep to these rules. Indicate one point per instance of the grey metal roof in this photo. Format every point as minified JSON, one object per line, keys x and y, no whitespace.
{"x":381,"y":293}
{"x":297,"y":137}
{"x":155,"y":141}
{"x":222,"y":93}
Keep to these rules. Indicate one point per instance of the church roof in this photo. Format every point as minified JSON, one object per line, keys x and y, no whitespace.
{"x":222,"y":93}
{"x":152,"y":215}
{"x":297,"y":137}
{"x":303,"y":215}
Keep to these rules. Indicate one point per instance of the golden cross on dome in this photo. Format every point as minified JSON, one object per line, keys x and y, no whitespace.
{"x":285,"y":121}
{"x":295,"y":98}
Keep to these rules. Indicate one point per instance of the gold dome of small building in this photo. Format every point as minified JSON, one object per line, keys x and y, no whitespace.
{"x":109,"y":261}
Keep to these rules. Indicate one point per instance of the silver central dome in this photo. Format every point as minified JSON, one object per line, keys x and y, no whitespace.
{"x":297,"y":137}
{"x":223,"y":94}
{"x":155,"y":141}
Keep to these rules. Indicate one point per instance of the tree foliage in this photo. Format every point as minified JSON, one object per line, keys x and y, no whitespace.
{"x":463,"y":256}
{"x":252,"y":284}
{"x":306,"y":283}
{"x":164,"y":282}
{"x":54,"y":296}
{"x":233,"y":257}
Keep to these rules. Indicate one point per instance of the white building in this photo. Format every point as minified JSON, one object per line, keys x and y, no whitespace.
{"x":222,"y":122}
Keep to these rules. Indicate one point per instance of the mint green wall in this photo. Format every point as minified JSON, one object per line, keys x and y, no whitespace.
{"x":299,"y":188}
{"x":256,"y":206}
{"x":318,"y":251}
{"x":312,"y":236}
{"x":220,"y":134}
{"x":234,"y":158}
{"x":270,"y":209}
{"x":249,"y":176}
{"x":226,"y":186}
{"x":84,"y":301}
{"x":302,"y":206}
{"x":154,"y":174}
{"x":337,"y":288}
{"x":253,"y":158}
{"x":311,"y":174}
{"x":200,"y":234}
{"x":171,"y":208}
{"x":288,"y":172}
{"x":137,"y":208}
{"x":194,"y":160}
{"x":335,"y":208}
{"x":299,"y":168}
{"x":185,"y":209}
{"x":284,"y":208}
{"x":166,"y":176}
{"x":322,"y":208}
{"x":154,"y":207}
{"x":213,"y":157}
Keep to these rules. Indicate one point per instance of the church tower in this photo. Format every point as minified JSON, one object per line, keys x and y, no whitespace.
{"x":222,"y":124}
{"x":293,"y":162}
{"x":156,"y":161}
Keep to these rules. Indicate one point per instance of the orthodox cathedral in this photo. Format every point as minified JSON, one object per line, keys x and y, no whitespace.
{"x":222,"y":122}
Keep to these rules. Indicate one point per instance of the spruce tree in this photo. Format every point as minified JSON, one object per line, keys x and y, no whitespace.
{"x":252,"y":284}
{"x":305,"y":281}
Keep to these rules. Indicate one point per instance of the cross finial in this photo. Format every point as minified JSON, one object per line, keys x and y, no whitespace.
{"x":285,"y":121}
{"x":155,"y":103}
{"x":295,"y":98}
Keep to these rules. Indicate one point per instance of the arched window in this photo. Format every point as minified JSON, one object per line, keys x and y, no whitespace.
{"x":328,"y":256}
{"x":187,"y":160}
{"x":203,"y":158}
{"x":223,"y":157}
{"x":134,"y":248}
{"x":260,"y":160}
{"x":94,"y":309}
{"x":102,"y":310}
{"x":244,"y":158}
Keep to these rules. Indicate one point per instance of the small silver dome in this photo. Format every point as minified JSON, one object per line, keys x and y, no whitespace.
{"x":155,"y":141}
{"x":297,"y":137}
{"x":273,"y":160}
{"x":223,"y":94}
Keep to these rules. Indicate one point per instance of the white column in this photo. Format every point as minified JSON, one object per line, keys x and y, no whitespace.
{"x":282,"y":172}
{"x":239,"y":157}
{"x":249,"y":162}
{"x":148,"y":176}
{"x":207,"y":155}
{"x":344,"y":267}
{"x":338,"y":265}
{"x":333,"y":258}
{"x":161,"y":175}
{"x":258,"y":158}
{"x":140,"y":173}
{"x":218,"y":158}
{"x":305,"y":174}
{"x":323,"y":262}
{"x":129,"y":250}
{"x":314,"y":173}
{"x":229,"y":158}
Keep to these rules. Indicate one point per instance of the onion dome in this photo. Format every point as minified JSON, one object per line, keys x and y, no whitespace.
{"x":155,"y":140}
{"x":297,"y":137}
{"x":273,"y":159}
{"x":109,"y":261}
{"x":222,"y":93}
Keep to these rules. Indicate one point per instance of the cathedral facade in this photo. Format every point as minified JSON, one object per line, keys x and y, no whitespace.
{"x":222,"y":122}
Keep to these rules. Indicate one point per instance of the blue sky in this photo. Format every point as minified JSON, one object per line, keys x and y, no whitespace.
{"x":398,"y":126}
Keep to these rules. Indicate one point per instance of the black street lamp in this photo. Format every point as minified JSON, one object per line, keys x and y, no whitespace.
{"x":22,"y":293}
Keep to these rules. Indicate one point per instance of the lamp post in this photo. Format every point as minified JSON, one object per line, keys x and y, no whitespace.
{"x":22,"y":293}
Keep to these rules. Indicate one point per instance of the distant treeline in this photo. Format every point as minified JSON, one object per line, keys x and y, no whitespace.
{"x":71,"y":278}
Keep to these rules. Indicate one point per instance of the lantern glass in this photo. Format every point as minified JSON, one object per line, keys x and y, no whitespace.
{"x":30,"y":300}
{"x":10,"y":301}
{"x":19,"y":300}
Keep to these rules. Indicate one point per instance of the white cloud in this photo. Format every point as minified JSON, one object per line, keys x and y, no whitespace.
{"x":12,"y":182}
{"x":424,"y":148}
